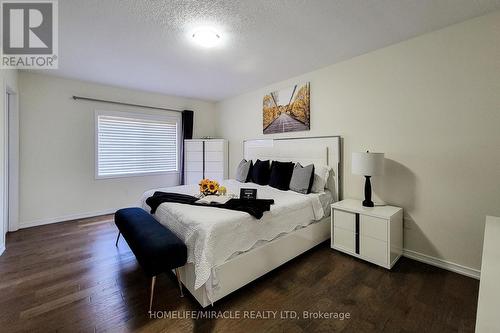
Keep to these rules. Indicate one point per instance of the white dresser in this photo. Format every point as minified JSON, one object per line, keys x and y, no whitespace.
{"x":205,"y":158}
{"x":374,"y":234}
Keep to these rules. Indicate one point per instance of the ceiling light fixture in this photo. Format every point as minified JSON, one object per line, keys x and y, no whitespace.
{"x":206,"y":37}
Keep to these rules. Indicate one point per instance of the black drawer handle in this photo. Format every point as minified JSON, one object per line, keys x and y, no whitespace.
{"x":357,"y":233}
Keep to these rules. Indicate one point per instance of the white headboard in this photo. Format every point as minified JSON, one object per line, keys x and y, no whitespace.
{"x":319,"y":150}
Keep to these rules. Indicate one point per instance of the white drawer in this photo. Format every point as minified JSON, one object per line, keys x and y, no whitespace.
{"x":373,"y":227}
{"x":193,"y":146}
{"x":218,"y":176}
{"x":194,"y":166}
{"x":214,"y":167}
{"x":344,"y":239}
{"x":344,"y":220}
{"x":193,"y":177}
{"x":214,"y":156}
{"x":196,"y":156}
{"x":373,"y":250}
{"x":214,"y":145}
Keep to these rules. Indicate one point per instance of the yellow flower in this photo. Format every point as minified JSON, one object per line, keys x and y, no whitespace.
{"x":208,"y":186}
{"x":204,"y":184}
{"x":222,"y":190}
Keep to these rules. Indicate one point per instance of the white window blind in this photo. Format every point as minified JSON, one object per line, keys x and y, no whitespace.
{"x":134,"y":145}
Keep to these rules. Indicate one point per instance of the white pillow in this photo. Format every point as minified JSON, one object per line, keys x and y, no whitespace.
{"x":321,"y":173}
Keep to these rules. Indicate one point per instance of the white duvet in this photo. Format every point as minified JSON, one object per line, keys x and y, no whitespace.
{"x":213,"y":235}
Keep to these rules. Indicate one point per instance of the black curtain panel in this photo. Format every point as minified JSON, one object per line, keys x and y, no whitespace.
{"x":186,"y":134}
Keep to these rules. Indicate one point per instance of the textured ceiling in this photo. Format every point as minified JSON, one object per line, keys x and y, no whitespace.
{"x":145,"y":45}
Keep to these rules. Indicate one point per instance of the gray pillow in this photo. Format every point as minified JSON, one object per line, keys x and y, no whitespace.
{"x":242,"y":171}
{"x":302,"y":178}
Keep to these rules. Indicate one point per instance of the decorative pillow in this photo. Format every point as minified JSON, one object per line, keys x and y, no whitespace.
{"x":321,"y":173}
{"x":260,"y":172}
{"x":243,"y":171}
{"x":302,"y":178}
{"x":281,"y":174}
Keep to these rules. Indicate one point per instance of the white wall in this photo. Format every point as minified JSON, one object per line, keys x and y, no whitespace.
{"x":57,"y":180}
{"x":432,"y":104}
{"x":8,"y":80}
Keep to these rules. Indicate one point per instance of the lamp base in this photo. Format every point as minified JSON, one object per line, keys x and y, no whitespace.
{"x":368,"y":193}
{"x":367,"y":203}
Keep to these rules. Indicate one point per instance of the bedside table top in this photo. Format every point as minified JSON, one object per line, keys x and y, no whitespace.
{"x":356,"y":206}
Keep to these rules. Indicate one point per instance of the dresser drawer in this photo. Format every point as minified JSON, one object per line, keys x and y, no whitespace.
{"x":193,"y":146}
{"x":214,"y":156}
{"x":373,"y":250}
{"x":373,"y":227}
{"x":193,"y":177}
{"x":194,"y":166}
{"x":214,"y":167}
{"x":218,"y":176}
{"x":344,"y":239}
{"x":214,"y":145}
{"x":344,"y":220}
{"x":196,"y":156}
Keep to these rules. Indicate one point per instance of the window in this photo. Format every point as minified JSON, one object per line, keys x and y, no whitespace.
{"x":129,"y":144}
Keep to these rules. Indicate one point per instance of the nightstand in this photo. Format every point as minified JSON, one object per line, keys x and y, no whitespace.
{"x":374,"y":234}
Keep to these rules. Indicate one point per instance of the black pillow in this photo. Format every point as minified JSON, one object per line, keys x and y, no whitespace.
{"x":281,"y":174}
{"x":260,"y":172}
{"x":249,"y":177}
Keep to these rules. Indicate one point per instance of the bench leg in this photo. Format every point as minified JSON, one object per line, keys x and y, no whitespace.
{"x":153,"y":281}
{"x":179,"y":280}
{"x":117,"y":238}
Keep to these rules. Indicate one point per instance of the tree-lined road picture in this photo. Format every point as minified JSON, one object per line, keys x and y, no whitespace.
{"x":287,"y":110}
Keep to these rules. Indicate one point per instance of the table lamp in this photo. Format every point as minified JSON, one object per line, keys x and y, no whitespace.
{"x":368,"y":164}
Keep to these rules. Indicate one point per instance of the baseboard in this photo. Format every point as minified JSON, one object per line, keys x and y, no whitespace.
{"x":35,"y":223}
{"x":448,"y":265}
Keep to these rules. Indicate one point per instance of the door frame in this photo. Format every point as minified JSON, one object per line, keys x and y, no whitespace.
{"x":4,"y":175}
{"x":12,"y":162}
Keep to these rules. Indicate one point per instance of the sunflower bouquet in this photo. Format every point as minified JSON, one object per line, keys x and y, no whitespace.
{"x":211,"y":187}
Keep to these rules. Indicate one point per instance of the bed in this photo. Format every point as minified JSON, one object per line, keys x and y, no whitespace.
{"x":228,"y":249}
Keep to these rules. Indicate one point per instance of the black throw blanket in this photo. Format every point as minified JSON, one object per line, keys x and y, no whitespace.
{"x":254,"y":207}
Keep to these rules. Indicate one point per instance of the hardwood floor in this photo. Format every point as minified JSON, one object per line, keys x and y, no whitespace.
{"x":70,"y":277}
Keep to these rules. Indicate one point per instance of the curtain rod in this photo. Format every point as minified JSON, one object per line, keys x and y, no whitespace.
{"x":122,"y":103}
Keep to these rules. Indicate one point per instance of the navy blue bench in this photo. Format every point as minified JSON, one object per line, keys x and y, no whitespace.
{"x":156,"y":248}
